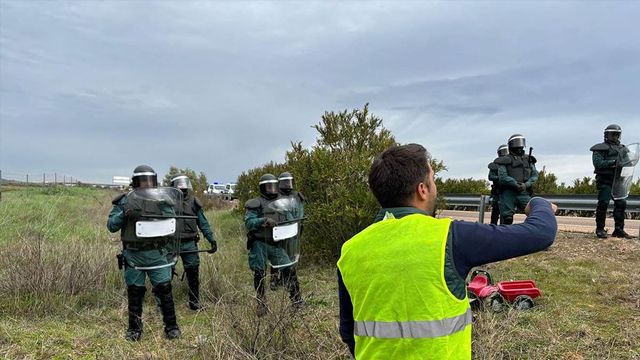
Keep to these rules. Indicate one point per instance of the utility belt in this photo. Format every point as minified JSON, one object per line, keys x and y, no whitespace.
{"x":144,"y":246}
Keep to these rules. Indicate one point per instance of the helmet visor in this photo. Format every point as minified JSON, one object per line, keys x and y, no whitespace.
{"x":269,"y":187}
{"x":144,"y":180}
{"x":285,"y":183}
{"x":181,"y":182}
{"x":517,"y":141}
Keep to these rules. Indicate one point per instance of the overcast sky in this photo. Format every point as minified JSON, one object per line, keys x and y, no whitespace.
{"x":93,"y":89}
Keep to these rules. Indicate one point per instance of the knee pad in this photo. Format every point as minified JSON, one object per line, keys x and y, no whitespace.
{"x":162,"y":288}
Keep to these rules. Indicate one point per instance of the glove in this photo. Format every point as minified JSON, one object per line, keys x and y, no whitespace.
{"x":522,"y":187}
{"x":268,"y":222}
{"x":214,"y":247}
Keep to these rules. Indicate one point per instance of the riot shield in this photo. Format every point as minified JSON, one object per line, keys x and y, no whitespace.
{"x":160,"y":209}
{"x":623,"y":178}
{"x":286,"y":232}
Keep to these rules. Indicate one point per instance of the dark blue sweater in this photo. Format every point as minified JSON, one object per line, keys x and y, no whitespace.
{"x":474,"y":244}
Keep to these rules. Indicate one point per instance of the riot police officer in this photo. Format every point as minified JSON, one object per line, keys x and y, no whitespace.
{"x":606,"y":161}
{"x":143,"y":255}
{"x":295,"y":209}
{"x":503,"y":150}
{"x":261,"y":216}
{"x":189,"y":237}
{"x":516,"y":175}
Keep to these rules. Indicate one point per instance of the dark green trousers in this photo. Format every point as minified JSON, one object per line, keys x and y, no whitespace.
{"x":510,"y":202}
{"x":619,"y":207}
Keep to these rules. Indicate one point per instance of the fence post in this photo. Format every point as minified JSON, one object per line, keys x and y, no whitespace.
{"x":55,"y":178}
{"x":44,"y":179}
{"x":481,"y":209}
{"x":27,"y":179}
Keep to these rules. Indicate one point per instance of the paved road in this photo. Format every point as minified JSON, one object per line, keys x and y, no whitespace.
{"x":566,"y":223}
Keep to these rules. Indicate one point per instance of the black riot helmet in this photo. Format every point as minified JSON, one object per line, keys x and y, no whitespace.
{"x":268,"y":186}
{"x":144,"y":177}
{"x":285,"y":182}
{"x":612,"y":133}
{"x":517,"y":144}
{"x":503,"y":150}
{"x":182,"y":182}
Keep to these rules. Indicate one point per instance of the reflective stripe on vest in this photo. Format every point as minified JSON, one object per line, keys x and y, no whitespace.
{"x":413,"y":329}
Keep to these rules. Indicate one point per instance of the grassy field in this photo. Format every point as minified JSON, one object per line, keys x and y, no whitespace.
{"x":61,"y":295}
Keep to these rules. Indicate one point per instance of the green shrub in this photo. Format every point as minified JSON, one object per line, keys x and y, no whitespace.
{"x":332,"y":174}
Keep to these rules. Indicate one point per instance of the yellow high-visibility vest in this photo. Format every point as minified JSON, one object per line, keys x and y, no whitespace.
{"x":402,"y":307}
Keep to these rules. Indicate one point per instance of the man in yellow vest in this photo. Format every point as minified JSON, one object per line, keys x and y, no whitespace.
{"x":401,"y":280}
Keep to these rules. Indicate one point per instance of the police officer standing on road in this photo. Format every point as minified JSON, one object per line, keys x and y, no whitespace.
{"x":606,"y":161}
{"x":188,"y":229}
{"x":144,"y":252}
{"x":503,"y":150}
{"x":260,"y":219}
{"x":516,"y":175}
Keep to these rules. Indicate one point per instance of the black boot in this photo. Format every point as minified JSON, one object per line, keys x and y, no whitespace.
{"x":601,"y":215}
{"x":619,"y":206}
{"x":275,"y":279}
{"x":135,"y":297}
{"x":163,"y":292}
{"x":506,"y":220}
{"x":193,"y":280}
{"x":495,"y":214}
{"x":291,"y":279}
{"x":258,"y":284}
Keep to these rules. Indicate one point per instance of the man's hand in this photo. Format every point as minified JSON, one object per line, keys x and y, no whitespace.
{"x":527,"y":209}
{"x":214,"y":247}
{"x":268,"y":222}
{"x":522,"y":187}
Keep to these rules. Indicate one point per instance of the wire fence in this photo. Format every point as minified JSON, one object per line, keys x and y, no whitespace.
{"x":38,"y":178}
{"x":46,"y":179}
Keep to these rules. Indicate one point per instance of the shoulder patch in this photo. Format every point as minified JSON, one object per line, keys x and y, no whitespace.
{"x":493,"y":166}
{"x":116,"y":200}
{"x":600,"y":147}
{"x":503,"y":160}
{"x":252,"y":204}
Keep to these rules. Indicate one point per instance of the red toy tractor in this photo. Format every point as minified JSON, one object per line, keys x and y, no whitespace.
{"x":484,"y":294}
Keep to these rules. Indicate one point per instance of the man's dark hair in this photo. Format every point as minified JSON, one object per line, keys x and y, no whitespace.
{"x":394,"y":174}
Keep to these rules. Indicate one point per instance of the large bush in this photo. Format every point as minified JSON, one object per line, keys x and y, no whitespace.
{"x":332,"y":174}
{"x":463,"y":186}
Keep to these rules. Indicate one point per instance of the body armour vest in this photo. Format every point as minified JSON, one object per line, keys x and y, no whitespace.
{"x":519,"y":168}
{"x":268,"y":210}
{"x":610,"y":152}
{"x":188,"y":228}
{"x":134,"y":208}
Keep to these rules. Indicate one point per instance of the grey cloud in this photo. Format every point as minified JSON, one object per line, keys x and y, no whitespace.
{"x":223,"y":87}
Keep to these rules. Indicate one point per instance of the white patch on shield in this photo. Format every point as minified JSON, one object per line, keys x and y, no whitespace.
{"x":145,"y":229}
{"x":284,"y":232}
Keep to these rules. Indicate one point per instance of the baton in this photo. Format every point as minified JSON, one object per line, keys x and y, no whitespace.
{"x":169,"y":216}
{"x":290,"y":221}
{"x":194,"y":251}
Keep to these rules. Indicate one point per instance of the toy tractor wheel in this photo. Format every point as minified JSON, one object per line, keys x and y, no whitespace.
{"x":495,"y":302}
{"x":523,"y":302}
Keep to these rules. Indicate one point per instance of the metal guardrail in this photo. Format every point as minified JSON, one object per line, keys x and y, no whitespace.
{"x":564,"y":202}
